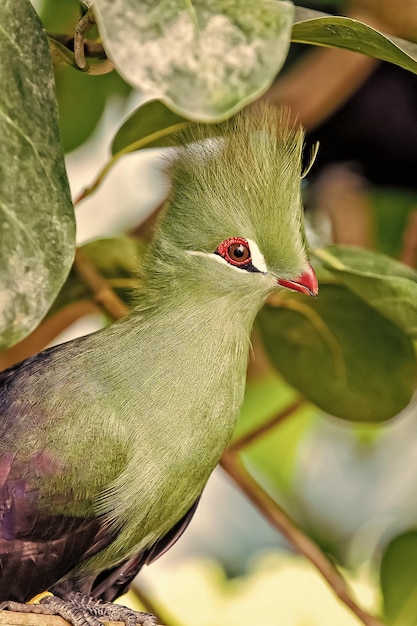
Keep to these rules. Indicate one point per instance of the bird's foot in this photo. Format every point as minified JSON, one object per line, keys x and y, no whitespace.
{"x":82,"y":610}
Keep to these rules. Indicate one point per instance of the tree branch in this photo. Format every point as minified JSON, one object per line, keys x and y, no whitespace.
{"x":92,"y":49}
{"x":10,"y":618}
{"x":272,"y":512}
{"x":103,"y":294}
{"x":46,"y":332}
{"x":265,"y":427}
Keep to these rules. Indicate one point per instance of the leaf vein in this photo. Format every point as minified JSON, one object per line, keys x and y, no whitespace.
{"x":11,"y":215}
{"x":32,"y":145}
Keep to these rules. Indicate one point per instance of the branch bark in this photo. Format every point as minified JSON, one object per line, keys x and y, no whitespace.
{"x":272,"y":512}
{"x":264,"y":428}
{"x":103,"y":293}
{"x":46,"y":332}
{"x":10,"y":618}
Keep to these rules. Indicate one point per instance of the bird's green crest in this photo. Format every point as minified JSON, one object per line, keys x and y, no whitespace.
{"x":239,"y":178}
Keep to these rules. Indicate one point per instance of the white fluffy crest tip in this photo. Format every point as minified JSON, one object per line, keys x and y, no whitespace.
{"x":205,"y":147}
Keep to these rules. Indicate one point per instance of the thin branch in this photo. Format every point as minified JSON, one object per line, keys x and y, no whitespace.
{"x":343,"y":196}
{"x":265,"y":427}
{"x":231,"y":463}
{"x":103,"y":294}
{"x":92,"y":48}
{"x":10,"y":618}
{"x":151,"y":608}
{"x":143,"y":142}
{"x":84,"y":24}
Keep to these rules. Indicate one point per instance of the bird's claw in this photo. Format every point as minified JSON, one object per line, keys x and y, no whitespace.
{"x":82,"y":610}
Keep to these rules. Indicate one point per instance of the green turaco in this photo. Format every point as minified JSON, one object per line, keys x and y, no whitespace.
{"x":107,"y":441}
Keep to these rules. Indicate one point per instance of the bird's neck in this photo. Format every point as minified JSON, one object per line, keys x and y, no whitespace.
{"x":192,"y":358}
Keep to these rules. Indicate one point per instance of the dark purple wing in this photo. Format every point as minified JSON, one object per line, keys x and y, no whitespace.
{"x":113,"y":583}
{"x":38,"y":549}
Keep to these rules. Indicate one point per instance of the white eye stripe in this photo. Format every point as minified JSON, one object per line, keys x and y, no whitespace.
{"x":258,"y":260}
{"x":257,"y":257}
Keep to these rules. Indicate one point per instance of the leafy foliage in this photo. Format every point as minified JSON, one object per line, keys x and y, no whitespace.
{"x":205,"y":60}
{"x":383,"y":283}
{"x":342,"y":32}
{"x":358,"y":366}
{"x":399,"y":579}
{"x":117,"y":259}
{"x":349,"y":354}
{"x":150,"y":126}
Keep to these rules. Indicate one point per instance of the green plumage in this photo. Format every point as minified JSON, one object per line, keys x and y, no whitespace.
{"x":134,"y":418}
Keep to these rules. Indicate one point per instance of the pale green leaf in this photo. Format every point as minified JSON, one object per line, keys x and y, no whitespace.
{"x":314,"y":27}
{"x":386,"y":285}
{"x":399,"y":580}
{"x":205,"y":60}
{"x":340,"y":353}
{"x":37,"y":235}
{"x":150,"y":126}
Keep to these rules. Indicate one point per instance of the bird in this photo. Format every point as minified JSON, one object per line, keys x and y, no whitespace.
{"x":107,"y":441}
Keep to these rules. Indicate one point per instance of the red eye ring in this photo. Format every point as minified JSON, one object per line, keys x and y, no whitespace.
{"x":235,"y":251}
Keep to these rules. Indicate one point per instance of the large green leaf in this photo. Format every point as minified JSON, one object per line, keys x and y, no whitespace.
{"x":204,"y":59}
{"x":37,"y":221}
{"x":340,"y":353}
{"x":399,"y":580}
{"x":314,"y":27}
{"x":386,"y":285}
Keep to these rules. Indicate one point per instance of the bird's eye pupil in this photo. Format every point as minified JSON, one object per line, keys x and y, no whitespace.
{"x":237,"y":251}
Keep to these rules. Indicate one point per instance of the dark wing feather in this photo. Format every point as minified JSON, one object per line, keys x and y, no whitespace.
{"x":37,"y":548}
{"x":112,"y":583}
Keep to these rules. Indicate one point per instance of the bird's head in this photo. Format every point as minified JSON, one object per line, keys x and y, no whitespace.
{"x":234,"y":219}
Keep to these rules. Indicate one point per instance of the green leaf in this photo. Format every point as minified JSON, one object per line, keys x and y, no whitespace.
{"x":340,"y":353}
{"x":150,"y":126}
{"x":314,"y":27}
{"x":60,"y":17}
{"x":81,"y":99}
{"x":37,"y":237}
{"x":386,"y":285}
{"x":205,"y":60}
{"x":399,"y":580}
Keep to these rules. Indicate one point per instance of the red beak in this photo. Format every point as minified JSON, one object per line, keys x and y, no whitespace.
{"x":307,"y":283}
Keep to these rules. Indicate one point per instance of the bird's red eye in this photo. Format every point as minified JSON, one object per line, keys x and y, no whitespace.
{"x":235,"y":251}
